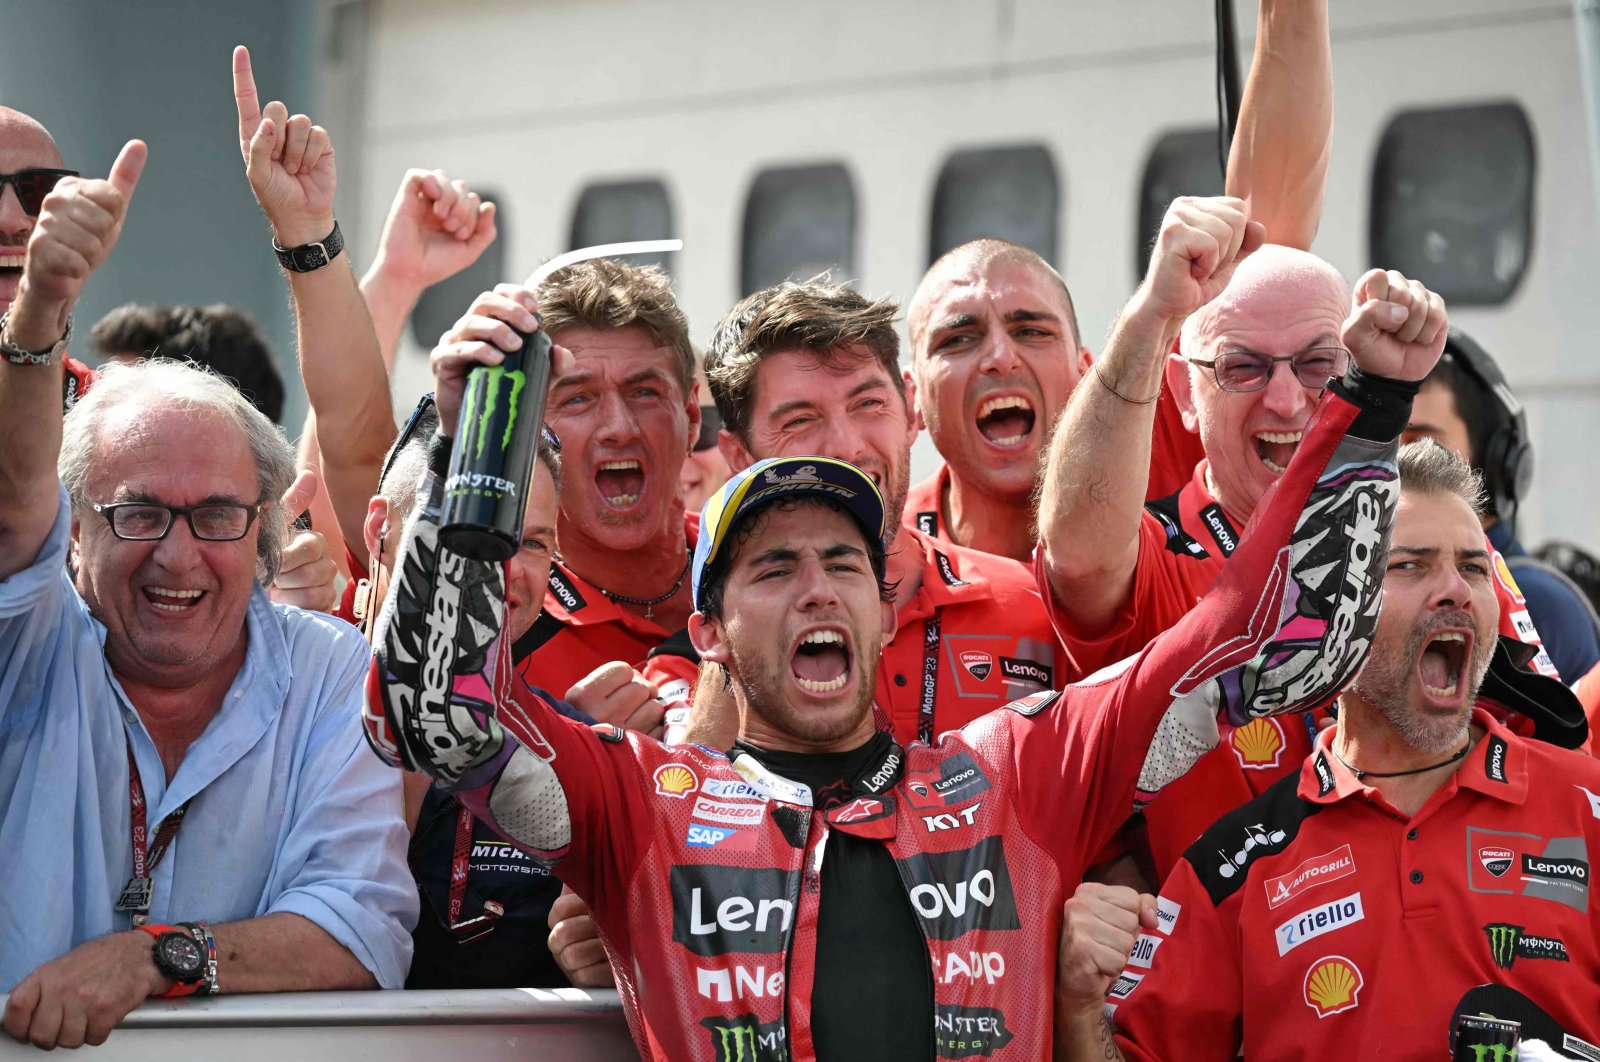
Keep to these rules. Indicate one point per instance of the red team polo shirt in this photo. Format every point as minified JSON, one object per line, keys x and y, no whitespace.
{"x":1318,"y":922}
{"x":974,"y":637}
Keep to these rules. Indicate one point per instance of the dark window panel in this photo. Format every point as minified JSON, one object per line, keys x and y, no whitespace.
{"x":798,"y":221}
{"x":623,"y":211}
{"x":1452,"y":200}
{"x":1007,"y":193}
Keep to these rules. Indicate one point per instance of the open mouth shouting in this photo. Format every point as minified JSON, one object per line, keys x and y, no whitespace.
{"x":820,"y":662}
{"x":1006,"y":421}
{"x":1442,"y":667}
{"x":1276,"y":449}
{"x":11,"y":264}
{"x":164,"y":599}
{"x":620,"y":483}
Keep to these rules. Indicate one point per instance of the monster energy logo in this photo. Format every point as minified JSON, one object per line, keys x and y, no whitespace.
{"x":744,"y":1039}
{"x":1508,"y":943}
{"x":1492,"y":1052}
{"x":493,"y":374}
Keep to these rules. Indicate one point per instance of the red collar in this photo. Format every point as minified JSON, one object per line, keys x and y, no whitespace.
{"x":1497,"y":767}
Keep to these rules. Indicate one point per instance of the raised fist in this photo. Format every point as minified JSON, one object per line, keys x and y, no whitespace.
{"x":1396,"y":327}
{"x":289,"y":162}
{"x":1099,"y":926}
{"x":436,"y":228}
{"x":79,"y":224}
{"x":1200,"y":243}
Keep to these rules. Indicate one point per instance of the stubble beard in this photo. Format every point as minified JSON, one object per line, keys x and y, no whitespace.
{"x":763,"y":684}
{"x":1386,"y":684}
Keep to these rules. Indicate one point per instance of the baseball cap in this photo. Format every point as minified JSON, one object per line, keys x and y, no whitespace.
{"x":776,"y":479}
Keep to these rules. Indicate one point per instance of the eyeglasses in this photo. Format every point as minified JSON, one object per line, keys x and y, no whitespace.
{"x":33,"y":185}
{"x":710,"y":425}
{"x":149,"y":522}
{"x":1246,"y":370}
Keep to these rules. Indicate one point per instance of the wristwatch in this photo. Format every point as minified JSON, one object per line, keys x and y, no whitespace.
{"x":18,"y":356}
{"x":309,"y":257}
{"x":177,"y":956}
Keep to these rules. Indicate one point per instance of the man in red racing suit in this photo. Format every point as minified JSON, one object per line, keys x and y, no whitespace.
{"x":705,"y":870}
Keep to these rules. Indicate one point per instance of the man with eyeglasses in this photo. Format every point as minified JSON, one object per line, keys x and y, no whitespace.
{"x":172,"y":744}
{"x":1260,"y":328}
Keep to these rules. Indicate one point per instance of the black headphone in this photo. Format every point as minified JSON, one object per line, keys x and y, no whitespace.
{"x":1507,"y":457}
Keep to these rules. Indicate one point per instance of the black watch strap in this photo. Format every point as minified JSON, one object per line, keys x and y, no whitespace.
{"x":309,"y":257}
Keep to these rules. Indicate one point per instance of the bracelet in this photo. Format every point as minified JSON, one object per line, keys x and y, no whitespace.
{"x":18,"y":356}
{"x":1095,"y":366}
{"x":201,"y":933}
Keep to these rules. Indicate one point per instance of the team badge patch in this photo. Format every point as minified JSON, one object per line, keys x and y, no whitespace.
{"x":1496,"y":860}
{"x":977,"y":663}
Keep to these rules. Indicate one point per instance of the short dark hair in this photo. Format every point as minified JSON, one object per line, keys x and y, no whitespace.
{"x":218,"y":337}
{"x":1481,"y":413}
{"x":814,"y":316}
{"x":716,"y":577}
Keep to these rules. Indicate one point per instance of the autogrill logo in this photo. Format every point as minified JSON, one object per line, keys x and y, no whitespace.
{"x":1330,"y":866}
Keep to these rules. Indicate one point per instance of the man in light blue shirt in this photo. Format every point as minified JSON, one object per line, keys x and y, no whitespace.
{"x":172,"y":745}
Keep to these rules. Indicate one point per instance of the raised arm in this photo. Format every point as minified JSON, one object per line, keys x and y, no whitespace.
{"x":78,"y":226}
{"x":1093,"y":489}
{"x":290,"y":164}
{"x":1291,"y":615}
{"x":1278,"y":163}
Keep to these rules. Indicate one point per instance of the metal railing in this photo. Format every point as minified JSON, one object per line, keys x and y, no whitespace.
{"x":525,"y":1024}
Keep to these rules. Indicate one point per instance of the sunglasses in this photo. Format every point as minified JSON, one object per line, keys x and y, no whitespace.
{"x":710,"y":424}
{"x":32,"y":186}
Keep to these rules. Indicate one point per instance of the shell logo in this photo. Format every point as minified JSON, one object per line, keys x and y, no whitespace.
{"x":1258,"y":744}
{"x":1332,"y":985}
{"x":675,"y":780}
{"x":1504,"y":573}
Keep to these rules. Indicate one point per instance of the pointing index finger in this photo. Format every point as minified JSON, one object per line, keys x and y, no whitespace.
{"x":244,"y":94}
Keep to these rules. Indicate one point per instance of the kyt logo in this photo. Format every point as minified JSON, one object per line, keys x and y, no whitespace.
{"x":717,"y":910}
{"x":744,"y":1039}
{"x":971,"y":967}
{"x":756,"y":982}
{"x":957,"y":892}
{"x":969,"y":1032}
{"x":951,"y":820}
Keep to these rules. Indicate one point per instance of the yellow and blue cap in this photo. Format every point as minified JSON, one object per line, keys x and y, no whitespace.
{"x":776,"y":479}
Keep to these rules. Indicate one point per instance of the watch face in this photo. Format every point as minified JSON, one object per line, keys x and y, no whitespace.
{"x":179,"y":956}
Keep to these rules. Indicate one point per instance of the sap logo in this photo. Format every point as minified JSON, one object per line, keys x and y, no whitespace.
{"x":723,"y":986}
{"x":1257,"y":836}
{"x":1144,"y":950}
{"x":717,"y":909}
{"x":958,"y":892}
{"x":1335,"y":914}
{"x":730,"y":789}
{"x":1019,"y":670}
{"x":1318,"y":870}
{"x":743,"y":814}
{"x":968,"y":1032}
{"x":744,"y":1039}
{"x":711,"y":836}
{"x":1167,"y":912}
{"x":949,"y":820}
{"x":987,"y":966}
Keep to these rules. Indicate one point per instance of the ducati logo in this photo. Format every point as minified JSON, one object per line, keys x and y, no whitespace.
{"x":1496,"y":860}
{"x":977,"y":663}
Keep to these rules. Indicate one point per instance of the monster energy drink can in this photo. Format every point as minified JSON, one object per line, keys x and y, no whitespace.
{"x":1485,"y":1039}
{"x":491,"y":467}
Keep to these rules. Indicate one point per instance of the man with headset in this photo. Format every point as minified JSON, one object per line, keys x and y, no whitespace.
{"x":1466,"y":406}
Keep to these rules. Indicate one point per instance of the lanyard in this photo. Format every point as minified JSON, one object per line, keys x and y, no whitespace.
{"x":930,"y":677}
{"x":137,"y":892}
{"x":473,"y":928}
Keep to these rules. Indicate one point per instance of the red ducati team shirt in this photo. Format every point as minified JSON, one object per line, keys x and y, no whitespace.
{"x":1317,"y":920}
